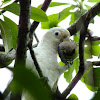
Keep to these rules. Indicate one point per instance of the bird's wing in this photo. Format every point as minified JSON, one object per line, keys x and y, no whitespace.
{"x":46,"y":55}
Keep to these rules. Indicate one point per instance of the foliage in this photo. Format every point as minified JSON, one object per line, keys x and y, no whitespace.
{"x":26,"y":81}
{"x":9,"y":32}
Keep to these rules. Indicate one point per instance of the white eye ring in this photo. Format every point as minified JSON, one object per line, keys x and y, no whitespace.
{"x":57,"y":33}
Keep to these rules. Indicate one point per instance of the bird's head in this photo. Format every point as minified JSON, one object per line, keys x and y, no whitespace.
{"x":56,"y":35}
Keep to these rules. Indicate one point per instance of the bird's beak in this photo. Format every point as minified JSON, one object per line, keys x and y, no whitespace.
{"x":65,"y":37}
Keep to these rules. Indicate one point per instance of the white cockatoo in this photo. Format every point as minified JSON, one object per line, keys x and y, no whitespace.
{"x":46,"y":55}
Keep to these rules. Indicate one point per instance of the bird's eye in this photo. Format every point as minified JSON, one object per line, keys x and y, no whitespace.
{"x":57,"y":34}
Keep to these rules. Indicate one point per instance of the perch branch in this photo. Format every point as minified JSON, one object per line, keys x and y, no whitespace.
{"x":32,"y":29}
{"x":81,"y":55}
{"x":76,"y":26}
{"x":35,"y":61}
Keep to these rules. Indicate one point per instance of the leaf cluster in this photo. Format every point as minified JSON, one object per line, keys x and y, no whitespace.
{"x":9,"y":32}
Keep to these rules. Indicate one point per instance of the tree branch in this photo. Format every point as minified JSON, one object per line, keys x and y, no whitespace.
{"x":76,"y":26}
{"x":4,"y":58}
{"x":80,"y":73}
{"x":24,"y":25}
{"x":32,"y":29}
{"x":96,"y":63}
{"x":35,"y":61}
{"x":35,"y":23}
{"x":23,"y":31}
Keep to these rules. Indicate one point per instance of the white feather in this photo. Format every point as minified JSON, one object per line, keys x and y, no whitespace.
{"x":46,"y":55}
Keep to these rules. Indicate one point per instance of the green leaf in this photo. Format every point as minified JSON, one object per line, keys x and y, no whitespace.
{"x":61,"y":63}
{"x":53,"y":4}
{"x":68,"y":74}
{"x":8,"y":33}
{"x":93,"y":1}
{"x":53,"y":22}
{"x":5,"y":1}
{"x":95,"y":48}
{"x":88,"y":78}
{"x":96,"y":76}
{"x":73,"y":97}
{"x":91,"y":78}
{"x":97,"y":95}
{"x":76,"y":38}
{"x":25,"y":79}
{"x":14,"y":8}
{"x":87,"y":6}
{"x":76,"y":65}
{"x":82,"y":0}
{"x":74,"y":17}
{"x":65,"y":13}
{"x":88,"y":51}
{"x":36,"y":13}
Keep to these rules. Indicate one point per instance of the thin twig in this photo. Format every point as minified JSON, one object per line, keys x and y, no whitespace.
{"x":32,"y":29}
{"x":35,"y":61}
{"x":76,"y":26}
{"x":35,"y":23}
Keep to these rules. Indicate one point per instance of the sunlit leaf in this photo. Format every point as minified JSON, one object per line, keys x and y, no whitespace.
{"x":65,"y":13}
{"x":36,"y":13}
{"x":87,"y":6}
{"x":8,"y":33}
{"x":92,"y":78}
{"x":95,"y":48}
{"x":5,"y":1}
{"x":93,"y":1}
{"x":53,"y":22}
{"x":54,"y":4}
{"x":88,"y":51}
{"x":73,"y":97}
{"x":76,"y":38}
{"x":74,"y":17}
{"x":76,"y":65}
{"x":14,"y":8}
{"x":88,"y":77}
{"x":82,"y":0}
{"x":68,"y":74}
{"x":61,"y":63}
